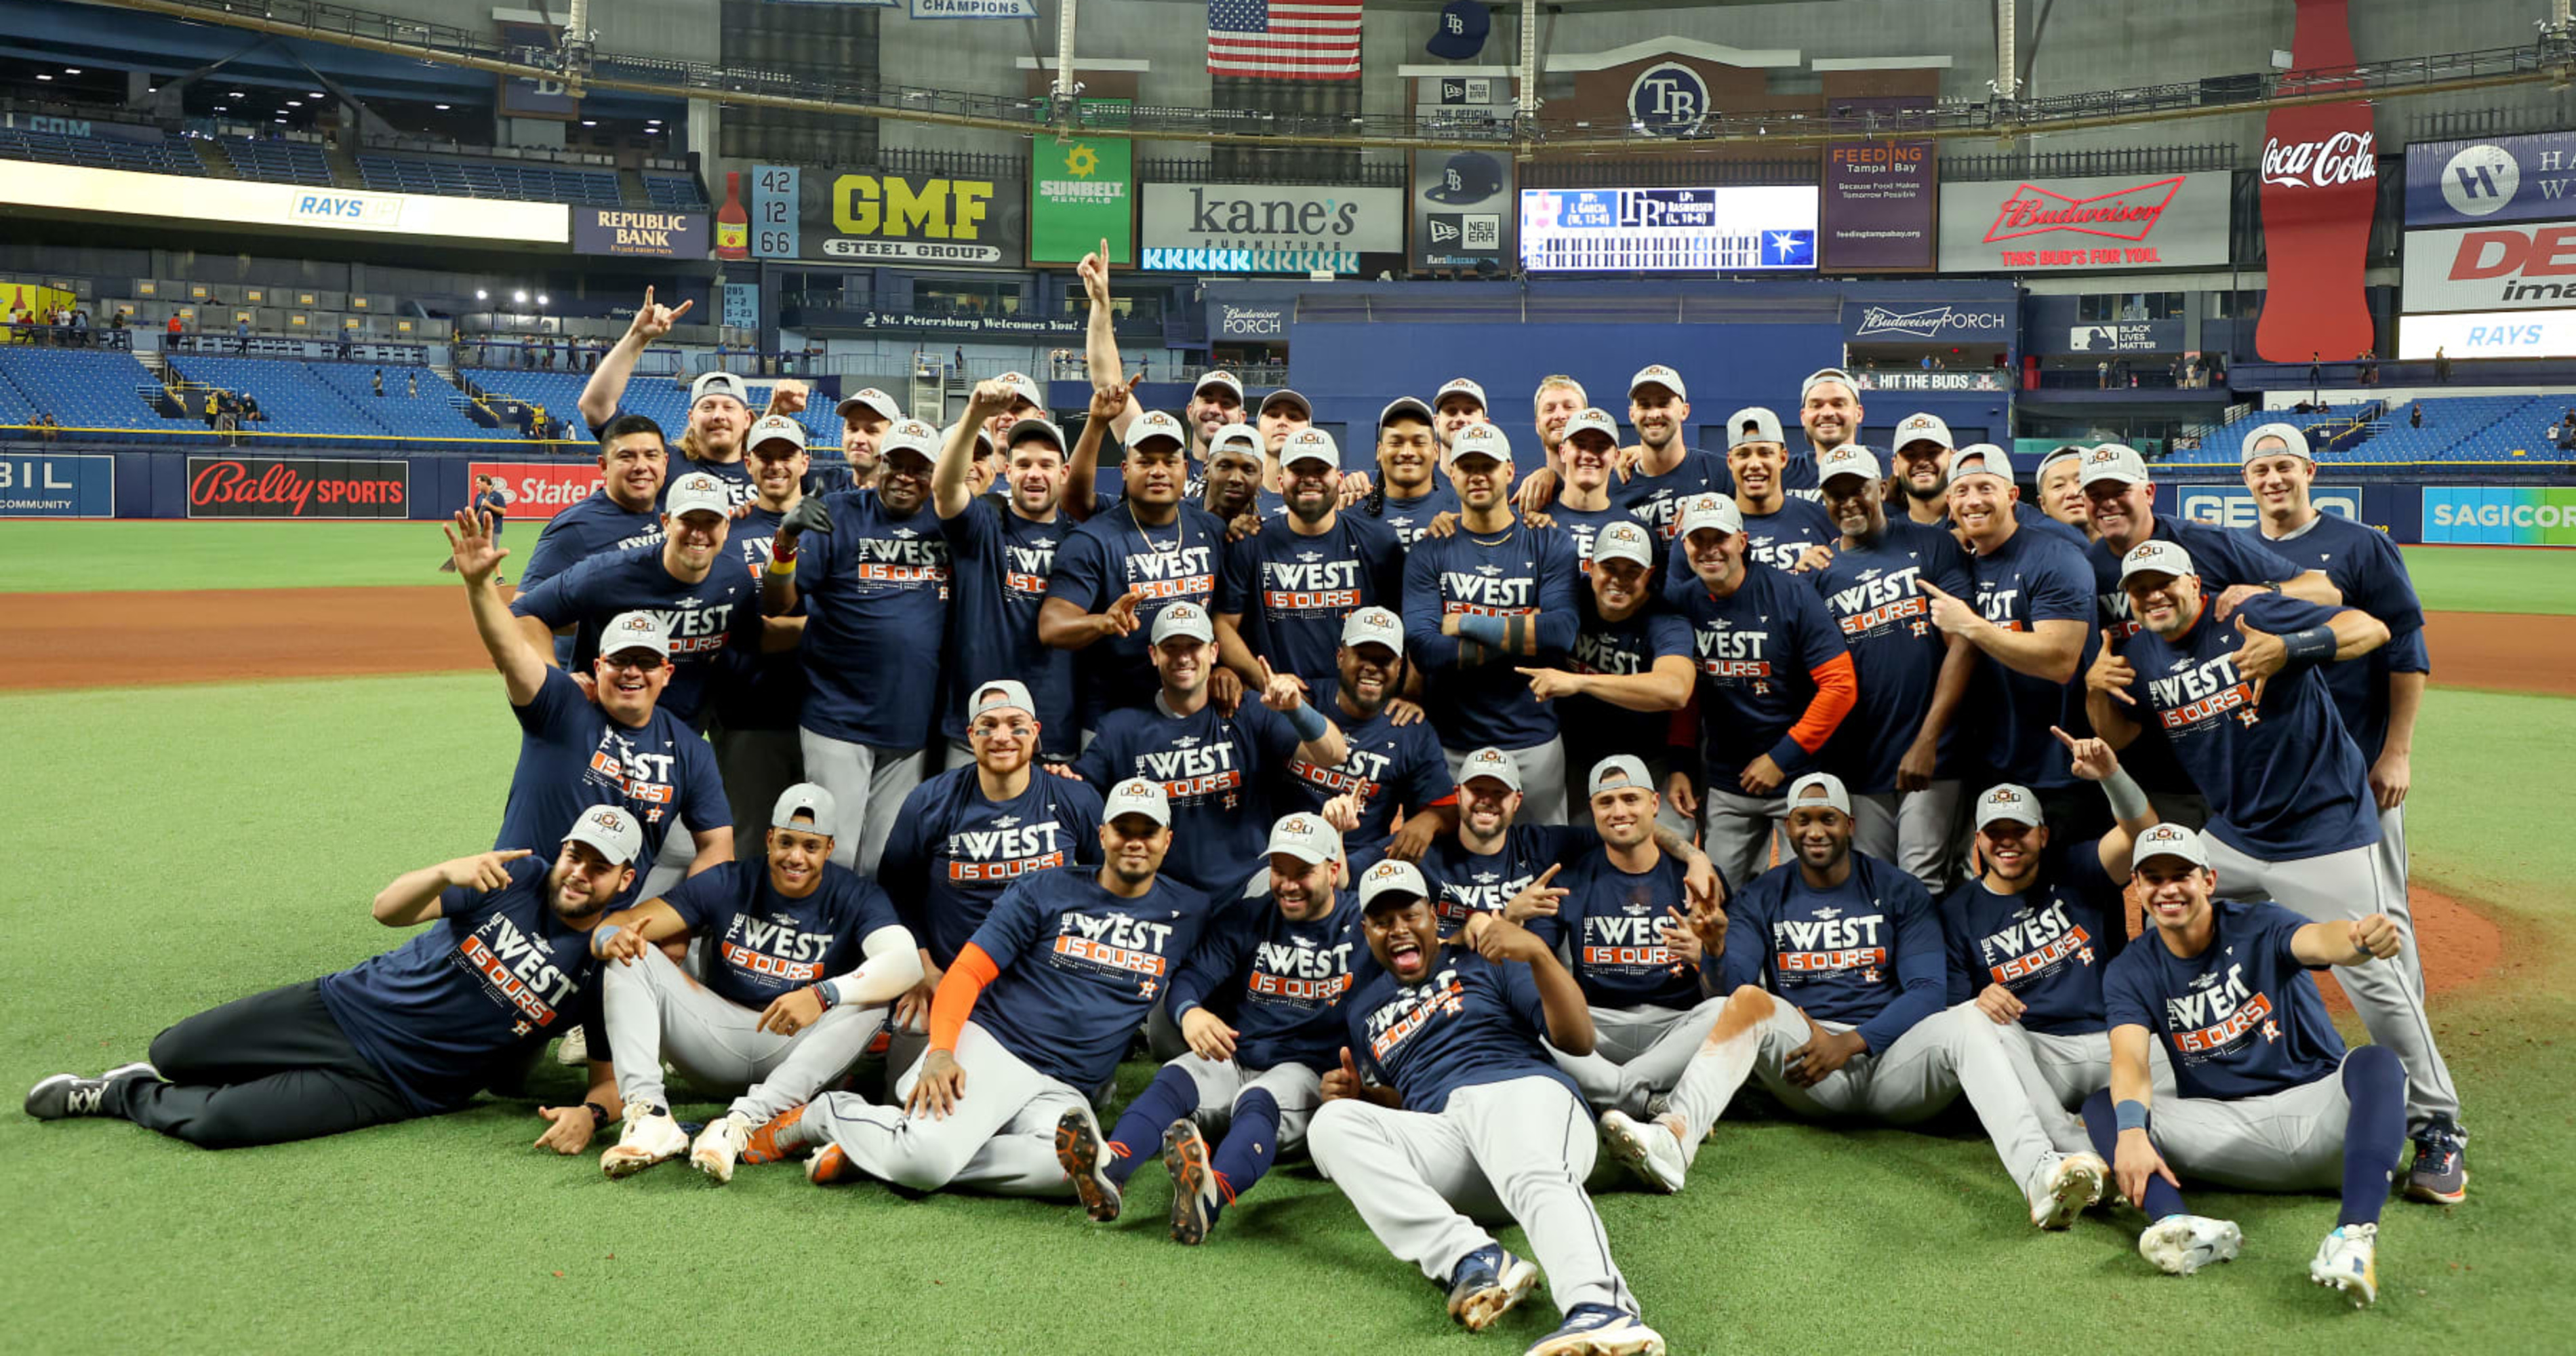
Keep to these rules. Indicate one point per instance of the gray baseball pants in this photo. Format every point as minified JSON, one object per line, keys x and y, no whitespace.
{"x":868,"y":785}
{"x":999,"y":1138}
{"x":1917,"y":830}
{"x":656,"y":1012}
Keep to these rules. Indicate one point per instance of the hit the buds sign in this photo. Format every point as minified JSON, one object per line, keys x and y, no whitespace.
{"x":297,"y":487}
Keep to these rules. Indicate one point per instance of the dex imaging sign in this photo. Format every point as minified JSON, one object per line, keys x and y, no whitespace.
{"x":2508,"y":267}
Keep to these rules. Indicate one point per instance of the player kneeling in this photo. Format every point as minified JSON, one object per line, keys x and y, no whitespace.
{"x":1468,"y":1117}
{"x":781,"y":1011}
{"x":1278,"y":966}
{"x":2270,"y":1100}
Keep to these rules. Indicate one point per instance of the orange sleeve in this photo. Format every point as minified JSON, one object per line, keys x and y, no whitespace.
{"x":954,"y":1001}
{"x":1837,"y":691}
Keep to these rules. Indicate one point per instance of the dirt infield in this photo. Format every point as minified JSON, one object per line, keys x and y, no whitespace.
{"x":2503,"y":651}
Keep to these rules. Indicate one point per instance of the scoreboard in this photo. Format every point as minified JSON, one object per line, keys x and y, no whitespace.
{"x":1669,"y":230}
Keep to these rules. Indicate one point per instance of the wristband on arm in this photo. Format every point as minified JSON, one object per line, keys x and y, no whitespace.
{"x":2128,"y":801}
{"x":2132,"y":1115}
{"x":2314,"y":645}
{"x":1489,"y":632}
{"x":599,"y":937}
{"x":1308,"y":722}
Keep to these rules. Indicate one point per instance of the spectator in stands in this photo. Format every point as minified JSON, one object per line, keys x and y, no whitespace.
{"x":214,"y":408}
{"x":960,"y":368}
{"x":2415,"y":416}
{"x":250,"y":409}
{"x":2102,"y":375}
{"x":174,"y":325}
{"x":2441,"y":365}
{"x":118,"y":321}
{"x":411,"y":388}
{"x":52,"y":430}
{"x":378,"y":381}
{"x":2316,"y":377}
{"x":2369,"y":367}
{"x":241,"y":328}
{"x":2217,"y":371}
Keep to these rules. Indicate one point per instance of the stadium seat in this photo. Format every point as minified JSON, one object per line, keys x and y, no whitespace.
{"x":281,"y":162}
{"x":82,"y":388}
{"x":171,"y":155}
{"x":455,"y":178}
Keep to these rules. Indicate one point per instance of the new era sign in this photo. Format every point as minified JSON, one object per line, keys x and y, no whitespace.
{"x":2084,"y":225}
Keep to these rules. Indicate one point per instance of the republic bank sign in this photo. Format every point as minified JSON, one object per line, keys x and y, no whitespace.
{"x":1270,"y":228}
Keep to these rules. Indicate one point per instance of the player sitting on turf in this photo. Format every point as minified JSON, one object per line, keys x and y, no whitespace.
{"x":1468,"y":1119}
{"x":415,"y":1031}
{"x":1277,"y":967}
{"x":782,"y":1010}
{"x":1038,"y":1008}
{"x":2269,"y":1100}
{"x":1834,"y":973}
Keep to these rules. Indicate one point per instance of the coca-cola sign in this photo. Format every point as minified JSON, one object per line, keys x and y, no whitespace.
{"x":2344,"y":158}
{"x":2083,"y":225}
{"x":297,"y":487}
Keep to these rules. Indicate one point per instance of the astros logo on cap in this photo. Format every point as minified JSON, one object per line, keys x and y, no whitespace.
{"x":2100,"y":455}
{"x":606,"y":819}
{"x":638,"y":622}
{"x":1386,"y":870}
{"x":1183,"y":612}
{"x":2002,"y":796}
{"x":1298,"y":825}
{"x":1138,"y":786}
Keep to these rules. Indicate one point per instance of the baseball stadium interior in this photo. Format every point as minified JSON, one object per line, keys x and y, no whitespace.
{"x":2004,"y":678}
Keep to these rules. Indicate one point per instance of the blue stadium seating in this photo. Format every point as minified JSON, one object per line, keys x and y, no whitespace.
{"x":662,"y":399}
{"x":2468,"y":428}
{"x":172,"y":155}
{"x":327,"y":397}
{"x":679,"y":192}
{"x":488,"y":179}
{"x":81,"y":388}
{"x":279,"y":162}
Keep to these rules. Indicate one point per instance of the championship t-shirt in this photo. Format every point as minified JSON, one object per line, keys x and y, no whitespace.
{"x":2031,"y":578}
{"x":1080,"y":967}
{"x":1278,"y":983}
{"x":1114,"y":554}
{"x":1468,"y":1022}
{"x":572,"y":756}
{"x":876,"y":616}
{"x":1522,"y":572}
{"x":2363,"y":563}
{"x":1002,"y":562}
{"x":703,"y":618}
{"x":2240,"y":1019}
{"x":1609,"y":927}
{"x":1867,"y":952}
{"x":761,"y":944}
{"x":1389,"y":766}
{"x":1896,"y":651}
{"x":2049,"y":944}
{"x":954,"y":850}
{"x":1215,"y":768}
{"x":1293,"y":591}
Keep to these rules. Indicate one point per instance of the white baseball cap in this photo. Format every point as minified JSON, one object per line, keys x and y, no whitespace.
{"x":910,"y":435}
{"x":813,"y":801}
{"x":1220,"y":377}
{"x":2156,"y":556}
{"x":1980,"y":459}
{"x":1024,"y":387}
{"x":1155,"y":424}
{"x":1623,"y":541}
{"x":697,"y":492}
{"x":868,"y":398}
{"x":1183,"y":619}
{"x":1137,"y":796}
{"x":1235,"y":440}
{"x":1820,"y":788}
{"x":1404,"y":405}
{"x":1849,"y":459}
{"x":1825,"y":374}
{"x":1481,"y":440}
{"x":2061,"y":452}
{"x":1392,"y":877}
{"x":1373,"y":626}
{"x":1310,"y":444}
{"x":2294,"y":443}
{"x":1752,"y":424}
{"x":635,"y":631}
{"x":719,"y":383}
{"x":1001,"y":694}
{"x":2115,"y":461}
{"x":610,"y":829}
{"x":1656,"y":374}
{"x":1459,"y":386}
{"x":1490,"y":762}
{"x":1285,"y":394}
{"x":1597,"y":420}
{"x":1305,"y":837}
{"x":1616,"y":771}
{"x":772,"y":428}
{"x":2008,"y":801}
{"x":1916,"y":428}
{"x":2168,"y":840}
{"x":1711,"y":511}
{"x":1033,"y":427}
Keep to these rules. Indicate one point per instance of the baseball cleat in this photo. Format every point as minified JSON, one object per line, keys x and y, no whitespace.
{"x":1194,"y":1194}
{"x":830,"y":1167}
{"x":1085,"y":1159}
{"x":574,"y":1048}
{"x":650,"y":1137}
{"x":1486,"y":1284}
{"x":2348,"y":1261}
{"x":1599,"y":1330}
{"x":65,"y":1095}
{"x":763,"y":1145}
{"x":719,"y":1145}
{"x":1650,"y":1151}
{"x":2182,"y":1244}
{"x":2074,"y":1184}
{"x":2440,"y":1174}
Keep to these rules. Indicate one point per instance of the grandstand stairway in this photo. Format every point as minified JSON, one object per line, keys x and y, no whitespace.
{"x":218,"y":161}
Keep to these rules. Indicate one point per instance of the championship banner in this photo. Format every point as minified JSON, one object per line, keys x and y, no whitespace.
{"x":537,"y":490}
{"x":875,"y":216}
{"x":298,"y":487}
{"x":1080,"y":193}
{"x":51,"y":486}
{"x":974,"y":9}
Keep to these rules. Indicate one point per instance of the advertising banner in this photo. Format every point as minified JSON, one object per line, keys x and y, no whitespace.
{"x":2120,"y":336}
{"x":2470,"y":183}
{"x":1270,"y":228}
{"x":1013,"y":326}
{"x":1657,"y":230}
{"x":1463,"y":209}
{"x":2500,"y":515}
{"x":642,"y":233}
{"x":909,"y":218}
{"x":1880,"y":208}
{"x":2320,"y":185}
{"x":1081,"y":193}
{"x":1920,"y":323}
{"x":2487,"y":268}
{"x":974,"y":9}
{"x":49,"y":486}
{"x":1258,"y":323}
{"x":2084,"y":225}
{"x":2234,"y":506}
{"x":298,"y":487}
{"x":202,"y":202}
{"x":2496,"y":334}
{"x":538,"y":490}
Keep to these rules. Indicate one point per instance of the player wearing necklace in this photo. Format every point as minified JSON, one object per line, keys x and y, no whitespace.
{"x":1117,"y":572}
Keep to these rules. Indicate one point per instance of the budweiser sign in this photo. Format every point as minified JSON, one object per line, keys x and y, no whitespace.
{"x":2343,"y":158}
{"x":284,"y":487}
{"x":2084,"y":225}
{"x":2121,"y":214}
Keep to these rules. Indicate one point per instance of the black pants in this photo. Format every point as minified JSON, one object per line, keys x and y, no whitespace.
{"x":265,"y":1069}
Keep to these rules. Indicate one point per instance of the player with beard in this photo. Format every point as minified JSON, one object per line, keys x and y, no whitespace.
{"x":1920,"y":457}
{"x":1003,"y":548}
{"x":1411,"y":449}
{"x":1286,"y":589}
{"x":719,"y":402}
{"x":1495,"y":862}
{"x":1458,"y":403}
{"x":876,"y":599}
{"x":1666,"y":470}
{"x":1630,"y":667}
{"x":760,"y":698}
{"x":1229,"y":484}
{"x":866,"y":414}
{"x":1556,"y":401}
{"x":617,"y":515}
{"x":1829,"y":410}
{"x":1393,"y":761}
{"x":1121,"y":568}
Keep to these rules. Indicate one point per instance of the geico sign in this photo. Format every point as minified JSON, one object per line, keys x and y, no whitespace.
{"x":2234,"y":506}
{"x":2504,"y":515}
{"x":940,"y":209}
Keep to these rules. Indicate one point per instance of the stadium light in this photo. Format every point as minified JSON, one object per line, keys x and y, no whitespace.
{"x":71,"y":70}
{"x":520,"y":297}
{"x":314,"y":95}
{"x":44,"y":77}
{"x":541,"y":298}
{"x":295,"y":103}
{"x":440,"y":107}
{"x":481,"y":295}
{"x":234,"y":95}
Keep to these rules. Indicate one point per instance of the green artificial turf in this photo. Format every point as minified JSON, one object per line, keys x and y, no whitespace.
{"x":37,"y":557}
{"x":174,"y":848}
{"x":2494,"y":579}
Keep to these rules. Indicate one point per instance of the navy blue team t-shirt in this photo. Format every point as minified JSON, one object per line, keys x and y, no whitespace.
{"x":2363,"y":563}
{"x":705,"y":618}
{"x":2031,"y":578}
{"x":495,"y":976}
{"x":1002,"y":562}
{"x":761,"y":944}
{"x":572,"y":756}
{"x":1468,"y":1022}
{"x":1278,"y":983}
{"x":876,"y":607}
{"x":594,"y":526}
{"x":1595,"y":729}
{"x":1867,"y":952}
{"x":1410,"y":516}
{"x":954,"y":850}
{"x":1896,"y":651}
{"x":2049,"y":944}
{"x":1216,"y":769}
{"x":1114,"y":554}
{"x":1758,"y":650}
{"x":1293,"y":592}
{"x":1464,"y":882}
{"x":1388,"y":765}
{"x":1520,"y":572}
{"x":1609,"y":923}
{"x":1080,"y":967}
{"x":2240,"y":1019}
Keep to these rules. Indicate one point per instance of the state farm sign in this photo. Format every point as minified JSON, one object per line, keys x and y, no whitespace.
{"x":2083,"y":225}
{"x":2491,"y":268}
{"x":538,"y":490}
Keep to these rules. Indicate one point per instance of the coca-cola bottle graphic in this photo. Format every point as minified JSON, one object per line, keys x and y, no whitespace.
{"x":2320,"y":187}
{"x":733,"y":225}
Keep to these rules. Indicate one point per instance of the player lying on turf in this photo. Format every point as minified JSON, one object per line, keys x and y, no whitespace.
{"x":801,"y":955}
{"x":2269,"y":1099}
{"x":415,"y":1031}
{"x":1465,"y":1118}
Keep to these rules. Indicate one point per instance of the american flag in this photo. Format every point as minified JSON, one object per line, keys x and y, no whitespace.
{"x":1278,"y":40}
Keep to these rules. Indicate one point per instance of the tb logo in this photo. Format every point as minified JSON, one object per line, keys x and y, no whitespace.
{"x":1668,"y":99}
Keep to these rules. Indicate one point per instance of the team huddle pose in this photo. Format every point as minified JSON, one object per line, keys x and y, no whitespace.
{"x":1419,"y":820}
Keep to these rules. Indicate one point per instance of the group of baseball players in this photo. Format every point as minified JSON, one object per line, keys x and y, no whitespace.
{"x":1419,"y":819}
